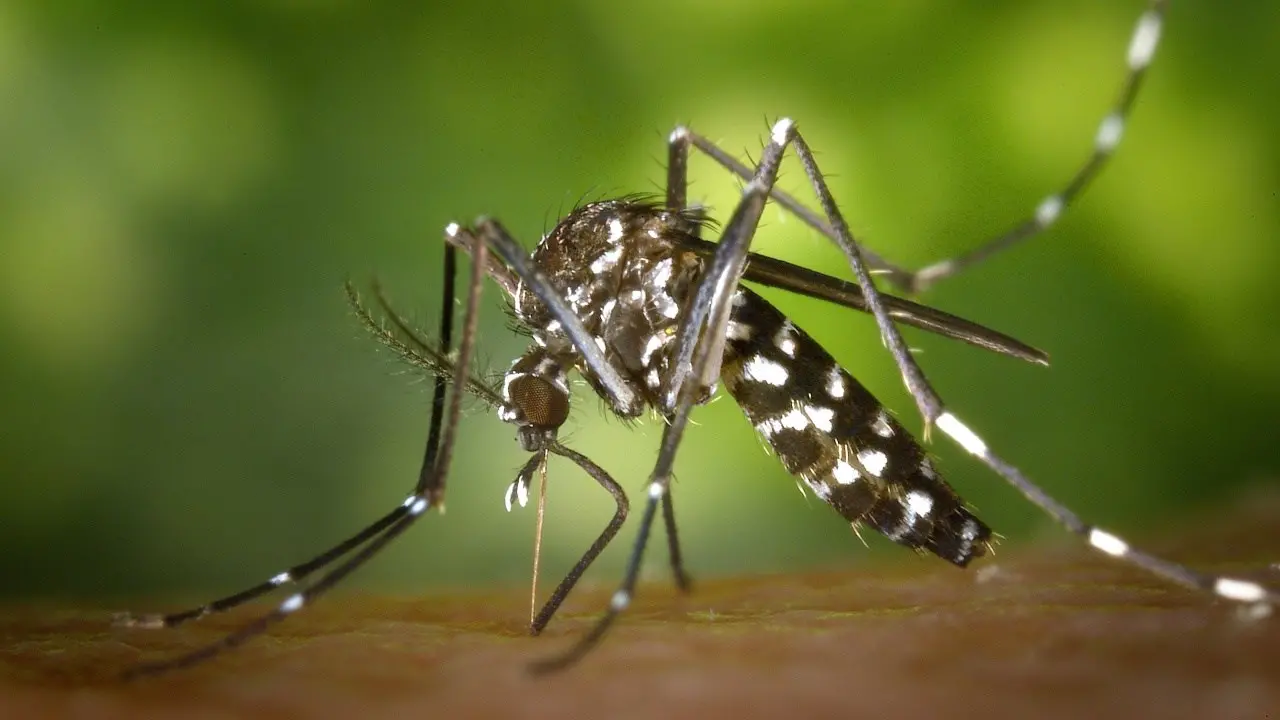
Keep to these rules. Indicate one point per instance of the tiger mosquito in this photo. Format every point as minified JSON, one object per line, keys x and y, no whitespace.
{"x":627,"y":293}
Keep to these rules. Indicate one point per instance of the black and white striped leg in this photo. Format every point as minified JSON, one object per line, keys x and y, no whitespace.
{"x":935,"y":414}
{"x":300,"y":572}
{"x":415,"y":506}
{"x":712,"y":301}
{"x":296,"y":574}
{"x":1229,"y":588}
{"x":1141,"y":50}
{"x":428,"y":491}
{"x":678,"y":144}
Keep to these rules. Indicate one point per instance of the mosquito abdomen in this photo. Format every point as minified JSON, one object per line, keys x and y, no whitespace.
{"x":833,"y":434}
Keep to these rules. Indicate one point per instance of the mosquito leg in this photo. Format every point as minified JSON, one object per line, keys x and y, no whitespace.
{"x":678,"y":169}
{"x":1142,"y":47}
{"x":686,"y":137}
{"x":720,"y":277}
{"x":711,"y":304}
{"x":295,"y":574}
{"x":677,"y":200}
{"x":430,"y":483}
{"x":606,"y":536}
{"x":935,"y":414}
{"x":439,"y":453}
{"x":683,"y":582}
{"x":301,"y":571}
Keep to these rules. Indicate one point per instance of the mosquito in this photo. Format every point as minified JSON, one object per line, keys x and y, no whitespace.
{"x":627,"y":294}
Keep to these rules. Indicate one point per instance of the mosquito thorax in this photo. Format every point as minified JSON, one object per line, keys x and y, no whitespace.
{"x":620,"y":266}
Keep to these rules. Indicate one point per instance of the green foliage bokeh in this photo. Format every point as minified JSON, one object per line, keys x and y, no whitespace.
{"x":190,"y":407}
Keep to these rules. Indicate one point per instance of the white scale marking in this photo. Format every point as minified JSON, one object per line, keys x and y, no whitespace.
{"x":655,"y":341}
{"x":761,"y":369}
{"x":516,"y":303}
{"x":784,"y":339}
{"x":781,"y":131}
{"x":615,"y":231}
{"x":795,"y":419}
{"x":560,"y":381}
{"x":661,"y":272}
{"x":507,"y":379}
{"x":835,"y":383}
{"x":961,"y":433}
{"x":881,"y":426}
{"x":1048,"y":211}
{"x":606,"y":260}
{"x":517,"y":492}
{"x":670,"y":309}
{"x":292,"y":603}
{"x":819,"y":488}
{"x":919,"y":505}
{"x":1240,"y":590}
{"x":820,"y":417}
{"x":768,"y":427}
{"x":738,"y":331}
{"x":874,"y":461}
{"x":1108,"y":543}
{"x":1145,"y":38}
{"x":1110,"y":130}
{"x":844,"y":473}
{"x":281,"y":579}
{"x":968,"y":533}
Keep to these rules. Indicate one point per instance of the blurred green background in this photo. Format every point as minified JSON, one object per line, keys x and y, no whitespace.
{"x":189,"y":406}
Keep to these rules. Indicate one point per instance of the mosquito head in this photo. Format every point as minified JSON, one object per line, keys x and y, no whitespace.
{"x":535,"y":397}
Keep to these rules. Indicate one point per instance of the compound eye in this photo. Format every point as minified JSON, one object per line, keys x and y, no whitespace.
{"x":540,"y":402}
